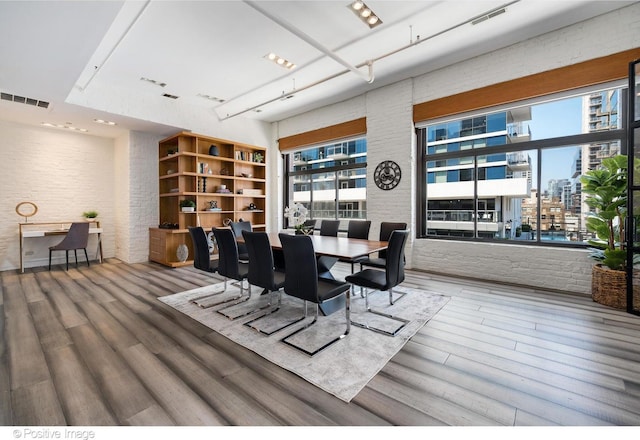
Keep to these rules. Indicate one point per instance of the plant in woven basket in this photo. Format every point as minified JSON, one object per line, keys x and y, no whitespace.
{"x":606,"y":188}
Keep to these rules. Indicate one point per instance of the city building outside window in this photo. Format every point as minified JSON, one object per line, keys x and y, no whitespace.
{"x":330,"y":180}
{"x":514,"y":174}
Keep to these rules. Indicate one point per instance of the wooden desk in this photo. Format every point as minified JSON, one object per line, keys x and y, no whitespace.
{"x":45,"y":229}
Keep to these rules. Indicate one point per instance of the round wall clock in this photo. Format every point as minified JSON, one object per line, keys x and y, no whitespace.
{"x":387,"y":175}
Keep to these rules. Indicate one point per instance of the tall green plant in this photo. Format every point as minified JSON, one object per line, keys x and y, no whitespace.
{"x":607,"y":191}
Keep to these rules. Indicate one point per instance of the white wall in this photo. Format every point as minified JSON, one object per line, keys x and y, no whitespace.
{"x":64,"y":174}
{"x":390,"y":136}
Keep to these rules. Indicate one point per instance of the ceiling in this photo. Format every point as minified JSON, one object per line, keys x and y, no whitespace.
{"x":87,"y":58}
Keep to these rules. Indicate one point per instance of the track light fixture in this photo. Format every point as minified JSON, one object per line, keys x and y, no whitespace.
{"x":365,"y":13}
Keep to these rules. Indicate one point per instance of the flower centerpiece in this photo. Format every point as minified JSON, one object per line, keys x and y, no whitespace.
{"x":297,"y":215}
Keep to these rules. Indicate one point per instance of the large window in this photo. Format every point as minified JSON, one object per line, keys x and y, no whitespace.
{"x":514,"y":174}
{"x":330,"y":180}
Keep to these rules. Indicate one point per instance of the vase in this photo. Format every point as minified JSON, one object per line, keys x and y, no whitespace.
{"x":182,"y":252}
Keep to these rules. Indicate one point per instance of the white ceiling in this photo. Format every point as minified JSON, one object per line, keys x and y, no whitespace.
{"x":87,"y":58}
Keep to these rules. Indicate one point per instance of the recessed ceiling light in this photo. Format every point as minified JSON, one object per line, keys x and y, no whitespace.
{"x":365,"y":13}
{"x":66,"y":126}
{"x":210,"y":98}
{"x":153,"y":81}
{"x":280,"y":61}
{"x":102,"y":121}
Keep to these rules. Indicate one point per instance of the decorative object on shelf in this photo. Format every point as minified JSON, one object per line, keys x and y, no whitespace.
{"x":167,"y":225}
{"x":297,"y":215}
{"x":227,"y":222}
{"x":211,"y":241}
{"x":182,"y":252}
{"x":187,"y":205}
{"x":606,"y":189}
{"x":90,"y":215}
{"x":26,"y":210}
{"x":213,"y":151}
{"x":224,"y":172}
{"x":252,"y":207}
{"x":171,"y":152}
{"x":247,"y":175}
{"x":387,"y":175}
{"x":213,"y":206}
{"x":258,"y":157}
{"x":223,"y":189}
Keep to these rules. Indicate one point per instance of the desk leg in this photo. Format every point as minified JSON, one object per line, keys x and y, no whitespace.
{"x":99,"y":251}
{"x":21,"y":254}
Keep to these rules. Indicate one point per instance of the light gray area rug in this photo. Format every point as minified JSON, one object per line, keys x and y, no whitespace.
{"x":343,"y":368}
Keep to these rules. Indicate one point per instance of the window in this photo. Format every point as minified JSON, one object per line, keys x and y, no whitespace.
{"x":330,"y":180}
{"x":515,"y":174}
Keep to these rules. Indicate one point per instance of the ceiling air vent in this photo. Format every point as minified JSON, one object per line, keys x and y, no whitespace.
{"x":166,"y":95}
{"x":21,"y":99}
{"x":489,"y":15}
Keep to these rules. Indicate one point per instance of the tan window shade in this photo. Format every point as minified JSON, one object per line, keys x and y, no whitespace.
{"x":325,"y":134}
{"x":597,"y":71}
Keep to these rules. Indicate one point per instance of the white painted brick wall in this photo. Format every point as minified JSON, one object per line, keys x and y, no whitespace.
{"x":64,"y":174}
{"x":390,"y":136}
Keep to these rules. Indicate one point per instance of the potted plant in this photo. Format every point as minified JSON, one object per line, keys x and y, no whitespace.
{"x":187,"y":205}
{"x":90,"y":215}
{"x":606,"y":188}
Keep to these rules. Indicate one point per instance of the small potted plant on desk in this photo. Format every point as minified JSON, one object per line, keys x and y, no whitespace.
{"x":606,"y":188}
{"x":90,"y":215}
{"x":187,"y":205}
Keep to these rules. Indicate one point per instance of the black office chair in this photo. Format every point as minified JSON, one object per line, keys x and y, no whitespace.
{"x":329,"y":227}
{"x":262,"y":273}
{"x":302,"y":281}
{"x":310,"y":226}
{"x":228,"y":267}
{"x":386,"y":228}
{"x":358,"y":229}
{"x":384,"y":280}
{"x":76,"y":238}
{"x":202,"y":258}
{"x":237,"y":228}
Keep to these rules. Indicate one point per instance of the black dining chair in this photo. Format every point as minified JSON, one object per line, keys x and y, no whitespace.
{"x":386,"y":228}
{"x":302,"y":281}
{"x":262,"y":273}
{"x":310,"y":226}
{"x":329,"y":227}
{"x":228,"y":266}
{"x":76,"y":238}
{"x":237,"y":228}
{"x":358,"y":229}
{"x":202,"y":257}
{"x":384,"y":280}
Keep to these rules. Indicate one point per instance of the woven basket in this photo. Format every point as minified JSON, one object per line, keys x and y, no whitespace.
{"x":609,"y":287}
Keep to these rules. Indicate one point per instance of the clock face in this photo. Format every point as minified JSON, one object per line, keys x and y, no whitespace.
{"x":387,"y":175}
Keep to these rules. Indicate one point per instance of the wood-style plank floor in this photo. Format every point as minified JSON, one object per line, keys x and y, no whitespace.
{"x":93,"y":346}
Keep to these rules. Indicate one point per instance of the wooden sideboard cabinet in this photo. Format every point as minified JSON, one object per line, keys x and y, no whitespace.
{"x":226,"y":180}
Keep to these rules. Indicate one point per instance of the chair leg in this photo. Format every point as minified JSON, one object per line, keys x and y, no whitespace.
{"x":75,"y":252}
{"x":403,"y":322}
{"x":347,"y":314}
{"x":67,"y":254}
{"x":264,"y":332}
{"x":247,"y":313}
{"x":197,"y":301}
{"x":86,"y":256}
{"x":49,"y":259}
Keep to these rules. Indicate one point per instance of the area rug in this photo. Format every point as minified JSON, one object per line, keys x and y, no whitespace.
{"x":343,"y":368}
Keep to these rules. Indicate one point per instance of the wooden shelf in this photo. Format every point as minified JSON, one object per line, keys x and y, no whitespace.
{"x":188,"y":171}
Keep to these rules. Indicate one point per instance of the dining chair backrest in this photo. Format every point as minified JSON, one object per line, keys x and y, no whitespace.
{"x":310,"y":225}
{"x":261,"y":270}
{"x":395,"y":257}
{"x":301,"y":273}
{"x":359,"y":229}
{"x":386,"y":228}
{"x":228,"y":262}
{"x":201,"y":257}
{"x":329,"y":227}
{"x":237,"y":228}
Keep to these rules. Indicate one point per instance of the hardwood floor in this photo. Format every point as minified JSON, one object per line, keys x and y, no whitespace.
{"x":93,"y":346}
